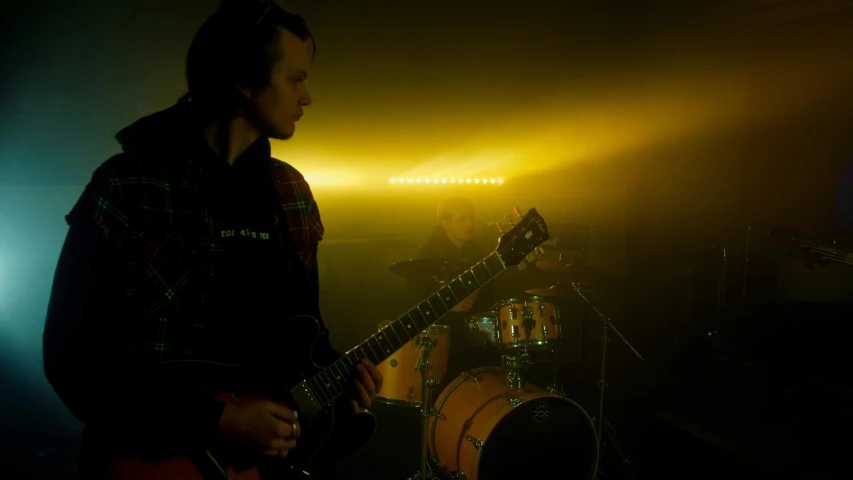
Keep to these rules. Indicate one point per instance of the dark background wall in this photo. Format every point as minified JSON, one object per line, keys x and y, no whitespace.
{"x":671,"y":131}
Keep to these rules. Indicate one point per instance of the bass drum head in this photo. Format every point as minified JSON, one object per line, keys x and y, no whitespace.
{"x":547,"y":437}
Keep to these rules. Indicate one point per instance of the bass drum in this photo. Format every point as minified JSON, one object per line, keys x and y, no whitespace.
{"x":486,"y":430}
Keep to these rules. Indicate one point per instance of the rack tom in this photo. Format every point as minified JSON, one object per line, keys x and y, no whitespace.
{"x":482,"y":329}
{"x":541,"y":315}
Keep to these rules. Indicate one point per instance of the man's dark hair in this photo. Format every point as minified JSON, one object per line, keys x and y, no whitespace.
{"x":237,"y":43}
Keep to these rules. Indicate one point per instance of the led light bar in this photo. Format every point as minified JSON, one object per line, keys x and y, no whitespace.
{"x":444,"y":180}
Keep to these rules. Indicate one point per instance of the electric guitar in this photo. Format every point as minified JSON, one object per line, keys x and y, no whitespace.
{"x":315,"y":393}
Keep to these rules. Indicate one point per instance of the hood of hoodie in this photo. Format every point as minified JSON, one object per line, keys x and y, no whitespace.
{"x":174,"y":136}
{"x":176,"y":133}
{"x":169,"y":132}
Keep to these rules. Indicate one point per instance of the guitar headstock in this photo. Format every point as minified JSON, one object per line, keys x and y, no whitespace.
{"x":528,"y":233}
{"x":531,"y":258}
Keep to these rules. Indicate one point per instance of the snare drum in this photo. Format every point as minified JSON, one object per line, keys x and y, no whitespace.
{"x":545,"y":319}
{"x":485,"y":429}
{"x":482,"y":329}
{"x":401,"y":384}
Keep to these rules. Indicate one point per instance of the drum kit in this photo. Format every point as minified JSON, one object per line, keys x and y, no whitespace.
{"x":486,"y":416}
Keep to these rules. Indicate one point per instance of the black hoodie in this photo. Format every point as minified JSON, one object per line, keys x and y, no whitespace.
{"x":94,"y":337}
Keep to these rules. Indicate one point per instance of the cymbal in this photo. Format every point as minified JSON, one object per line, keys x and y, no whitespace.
{"x":552,"y":265}
{"x":553,"y":291}
{"x":425,"y":268}
{"x":575,"y":272}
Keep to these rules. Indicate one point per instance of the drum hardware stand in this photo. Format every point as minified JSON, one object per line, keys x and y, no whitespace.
{"x":603,"y":425}
{"x":426,"y":409}
{"x":514,"y":364}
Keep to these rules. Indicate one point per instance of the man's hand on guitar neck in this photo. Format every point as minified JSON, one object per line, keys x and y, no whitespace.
{"x":367,"y":384}
{"x":260,"y":422}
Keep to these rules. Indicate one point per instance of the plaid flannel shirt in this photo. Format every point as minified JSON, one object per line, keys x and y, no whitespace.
{"x":165,"y":240}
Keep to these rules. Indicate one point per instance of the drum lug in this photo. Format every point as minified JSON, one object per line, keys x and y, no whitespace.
{"x":477,"y":444}
{"x":470,"y":374}
{"x":557,"y":391}
{"x":512,"y":400}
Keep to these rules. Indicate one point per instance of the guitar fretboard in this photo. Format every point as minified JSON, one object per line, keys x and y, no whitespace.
{"x":335,"y":379}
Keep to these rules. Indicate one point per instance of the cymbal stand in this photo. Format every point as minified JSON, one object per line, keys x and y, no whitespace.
{"x":555,"y":387}
{"x":745,"y":270}
{"x":426,"y":409}
{"x":555,"y":350}
{"x":603,"y":425}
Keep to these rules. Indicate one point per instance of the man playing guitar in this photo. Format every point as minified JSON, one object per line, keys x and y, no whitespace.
{"x":195,"y":244}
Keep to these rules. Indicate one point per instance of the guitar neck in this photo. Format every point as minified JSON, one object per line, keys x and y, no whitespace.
{"x":828,"y":252}
{"x":334,"y":380}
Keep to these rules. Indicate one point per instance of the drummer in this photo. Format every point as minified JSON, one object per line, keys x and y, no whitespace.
{"x":452,"y":239}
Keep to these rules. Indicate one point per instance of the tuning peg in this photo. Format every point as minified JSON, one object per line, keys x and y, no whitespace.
{"x":518,"y":212}
{"x":500,"y":228}
{"x":509,"y":220}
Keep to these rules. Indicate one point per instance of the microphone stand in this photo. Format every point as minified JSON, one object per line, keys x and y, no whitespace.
{"x":603,"y":425}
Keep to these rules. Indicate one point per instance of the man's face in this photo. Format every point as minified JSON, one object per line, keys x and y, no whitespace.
{"x":275,"y":109}
{"x":460,"y":227}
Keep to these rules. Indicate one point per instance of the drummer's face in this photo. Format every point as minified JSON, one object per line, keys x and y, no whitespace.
{"x":460,"y":227}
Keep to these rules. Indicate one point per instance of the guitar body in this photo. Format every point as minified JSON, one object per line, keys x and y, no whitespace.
{"x":326,"y":434}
